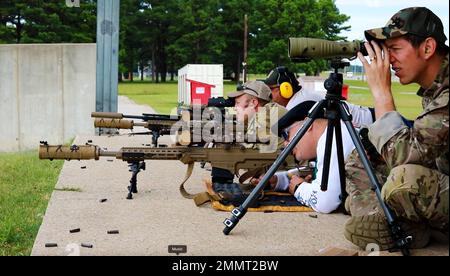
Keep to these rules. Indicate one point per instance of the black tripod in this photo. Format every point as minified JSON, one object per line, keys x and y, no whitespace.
{"x":336,"y":110}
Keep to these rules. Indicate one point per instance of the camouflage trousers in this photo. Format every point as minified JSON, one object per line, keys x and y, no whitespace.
{"x":415,"y":193}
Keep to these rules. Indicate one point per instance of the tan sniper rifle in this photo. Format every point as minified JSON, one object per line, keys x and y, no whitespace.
{"x":230,"y":157}
{"x":223,"y":130}
{"x":156,"y":123}
{"x":213,"y":117}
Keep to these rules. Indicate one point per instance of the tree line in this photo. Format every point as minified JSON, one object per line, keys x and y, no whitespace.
{"x":169,"y":34}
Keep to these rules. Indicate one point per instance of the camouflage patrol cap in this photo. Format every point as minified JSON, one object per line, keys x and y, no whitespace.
{"x":418,"y":21}
{"x":255,"y":88}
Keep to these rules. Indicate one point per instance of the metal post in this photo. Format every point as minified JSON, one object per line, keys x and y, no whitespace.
{"x":244,"y":62}
{"x":107,"y":55}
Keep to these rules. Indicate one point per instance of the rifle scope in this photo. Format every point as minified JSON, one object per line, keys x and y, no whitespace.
{"x":220,"y":102}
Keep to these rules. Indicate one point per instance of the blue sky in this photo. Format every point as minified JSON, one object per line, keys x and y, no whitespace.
{"x":367,"y":14}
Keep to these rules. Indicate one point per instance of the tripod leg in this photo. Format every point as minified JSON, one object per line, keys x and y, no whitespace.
{"x":399,"y":236}
{"x":327,"y":156}
{"x":340,"y":158}
{"x":239,"y":212}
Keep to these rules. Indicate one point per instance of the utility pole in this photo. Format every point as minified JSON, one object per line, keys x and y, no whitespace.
{"x":244,"y":62}
{"x":107,"y":55}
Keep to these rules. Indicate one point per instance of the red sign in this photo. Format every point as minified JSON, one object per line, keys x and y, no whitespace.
{"x":200,"y":92}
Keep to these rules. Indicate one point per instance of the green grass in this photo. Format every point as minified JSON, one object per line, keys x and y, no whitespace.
{"x":26,"y":184}
{"x":160,"y":96}
{"x":163,"y":96}
{"x":406,"y":100}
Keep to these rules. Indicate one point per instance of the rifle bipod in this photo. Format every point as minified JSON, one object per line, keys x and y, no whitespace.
{"x":135,"y":168}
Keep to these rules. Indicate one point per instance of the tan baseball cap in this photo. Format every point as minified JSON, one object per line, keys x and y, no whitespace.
{"x":255,"y":88}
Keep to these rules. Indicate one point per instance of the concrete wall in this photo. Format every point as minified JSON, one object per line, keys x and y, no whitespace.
{"x":47,"y":92}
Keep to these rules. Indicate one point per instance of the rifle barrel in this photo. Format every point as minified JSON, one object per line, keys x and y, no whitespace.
{"x":110,"y":115}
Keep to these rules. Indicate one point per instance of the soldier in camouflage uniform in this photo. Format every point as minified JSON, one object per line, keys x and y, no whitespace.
{"x":254,"y":107}
{"x":414,"y":166}
{"x":256,"y":114}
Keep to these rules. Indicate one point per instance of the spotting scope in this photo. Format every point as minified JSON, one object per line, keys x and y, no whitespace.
{"x":303,"y":49}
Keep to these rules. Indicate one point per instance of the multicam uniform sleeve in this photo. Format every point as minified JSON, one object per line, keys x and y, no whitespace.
{"x":422,"y":144}
{"x":266,"y":118}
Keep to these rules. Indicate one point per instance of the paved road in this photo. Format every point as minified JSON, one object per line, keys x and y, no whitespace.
{"x":159,"y":216}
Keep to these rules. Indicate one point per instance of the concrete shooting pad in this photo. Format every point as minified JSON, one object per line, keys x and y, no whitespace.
{"x":158,"y":216}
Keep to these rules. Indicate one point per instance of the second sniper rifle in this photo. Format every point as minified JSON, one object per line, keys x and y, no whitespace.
{"x":162,"y":124}
{"x":156,"y":123}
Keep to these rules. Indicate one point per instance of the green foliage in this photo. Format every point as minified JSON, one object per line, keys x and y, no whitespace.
{"x":50,"y":21}
{"x":172,"y":33}
{"x":275,"y":21}
{"x":193,"y":31}
{"x":26,"y":184}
